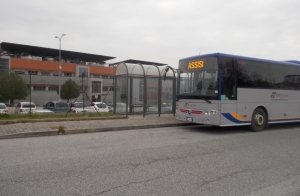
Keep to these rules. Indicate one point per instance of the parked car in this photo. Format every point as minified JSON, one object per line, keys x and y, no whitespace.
{"x":98,"y":107}
{"x":25,"y":107}
{"x":110,"y":107}
{"x":79,"y":107}
{"x":42,"y":111}
{"x":3,"y":108}
{"x":57,"y":106}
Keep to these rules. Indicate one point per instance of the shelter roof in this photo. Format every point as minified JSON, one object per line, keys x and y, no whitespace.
{"x":137,"y":62}
{"x":41,"y":51}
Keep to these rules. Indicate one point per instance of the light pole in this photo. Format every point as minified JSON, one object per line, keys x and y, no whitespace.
{"x":59,"y":61}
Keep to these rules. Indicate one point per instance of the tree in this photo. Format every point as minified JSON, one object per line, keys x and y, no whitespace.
{"x":69,"y":90}
{"x":12,"y":86}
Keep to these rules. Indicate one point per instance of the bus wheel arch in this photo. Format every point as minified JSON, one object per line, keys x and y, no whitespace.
{"x":259,"y":119}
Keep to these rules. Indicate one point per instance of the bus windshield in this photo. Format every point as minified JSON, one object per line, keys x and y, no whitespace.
{"x":200,"y":82}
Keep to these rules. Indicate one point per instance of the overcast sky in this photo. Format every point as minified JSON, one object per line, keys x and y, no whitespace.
{"x":162,"y":31}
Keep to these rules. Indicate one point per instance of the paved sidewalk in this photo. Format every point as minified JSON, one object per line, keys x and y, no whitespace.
{"x":35,"y":129}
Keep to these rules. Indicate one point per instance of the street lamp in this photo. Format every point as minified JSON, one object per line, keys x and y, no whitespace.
{"x":59,"y":61}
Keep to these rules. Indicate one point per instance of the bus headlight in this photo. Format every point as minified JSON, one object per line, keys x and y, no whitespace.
{"x":210,"y":112}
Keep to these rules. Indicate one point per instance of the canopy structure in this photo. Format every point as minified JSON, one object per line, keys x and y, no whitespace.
{"x":13,"y":49}
{"x":144,"y":87}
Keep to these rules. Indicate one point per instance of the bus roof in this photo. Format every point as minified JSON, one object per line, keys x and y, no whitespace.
{"x":289,"y":62}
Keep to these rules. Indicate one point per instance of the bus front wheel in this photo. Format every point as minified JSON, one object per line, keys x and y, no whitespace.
{"x":259,"y":120}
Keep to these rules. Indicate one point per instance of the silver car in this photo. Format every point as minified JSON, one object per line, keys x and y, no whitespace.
{"x":25,"y":107}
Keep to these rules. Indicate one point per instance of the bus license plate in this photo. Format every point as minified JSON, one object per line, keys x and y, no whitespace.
{"x":190,"y":119}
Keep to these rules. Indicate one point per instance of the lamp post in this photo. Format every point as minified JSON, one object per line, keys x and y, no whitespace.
{"x":59,"y":61}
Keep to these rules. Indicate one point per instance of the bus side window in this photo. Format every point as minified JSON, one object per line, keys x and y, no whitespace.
{"x":228,"y":87}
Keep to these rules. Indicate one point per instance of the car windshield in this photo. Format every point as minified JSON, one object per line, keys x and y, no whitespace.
{"x":78,"y":105}
{"x":2,"y":107}
{"x":101,"y":105}
{"x":61,"y":104}
{"x":28,"y":106}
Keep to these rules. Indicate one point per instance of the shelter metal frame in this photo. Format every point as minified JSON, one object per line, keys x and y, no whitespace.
{"x":129,"y":73}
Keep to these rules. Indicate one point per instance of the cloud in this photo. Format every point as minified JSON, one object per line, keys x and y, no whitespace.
{"x":158,"y":30}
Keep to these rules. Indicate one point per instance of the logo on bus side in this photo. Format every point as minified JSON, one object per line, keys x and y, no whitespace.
{"x":276,"y":96}
{"x":189,"y":105}
{"x":196,"y":65}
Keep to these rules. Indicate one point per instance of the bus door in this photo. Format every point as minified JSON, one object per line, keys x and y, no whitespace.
{"x":228,"y":94}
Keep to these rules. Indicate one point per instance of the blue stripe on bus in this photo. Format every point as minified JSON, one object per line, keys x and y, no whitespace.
{"x":233,"y":119}
{"x":228,"y":116}
{"x":282,"y":120}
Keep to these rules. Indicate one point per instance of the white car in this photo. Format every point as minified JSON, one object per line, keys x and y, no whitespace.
{"x":25,"y":107}
{"x":98,"y":107}
{"x":78,"y":107}
{"x":3,"y":109}
{"x":42,"y":111}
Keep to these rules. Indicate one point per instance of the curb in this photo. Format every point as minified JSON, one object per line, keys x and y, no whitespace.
{"x":94,"y":130}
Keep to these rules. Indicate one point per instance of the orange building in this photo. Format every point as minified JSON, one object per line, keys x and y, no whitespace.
{"x":44,"y":74}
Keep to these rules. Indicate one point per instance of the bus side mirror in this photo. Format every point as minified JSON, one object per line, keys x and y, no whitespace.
{"x":165,"y":73}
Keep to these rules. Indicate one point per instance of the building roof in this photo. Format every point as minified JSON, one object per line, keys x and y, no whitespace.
{"x":137,"y":62}
{"x":41,"y":51}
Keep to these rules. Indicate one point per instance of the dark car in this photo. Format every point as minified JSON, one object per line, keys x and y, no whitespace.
{"x":57,"y":106}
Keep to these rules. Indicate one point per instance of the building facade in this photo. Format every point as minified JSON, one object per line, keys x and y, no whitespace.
{"x":44,"y":74}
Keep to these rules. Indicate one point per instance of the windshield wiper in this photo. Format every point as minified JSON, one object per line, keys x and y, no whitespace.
{"x":191,"y":96}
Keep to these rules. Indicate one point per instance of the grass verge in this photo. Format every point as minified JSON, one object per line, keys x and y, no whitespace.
{"x":54,"y":116}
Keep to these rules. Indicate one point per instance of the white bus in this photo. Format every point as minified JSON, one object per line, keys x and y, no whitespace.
{"x":229,"y":90}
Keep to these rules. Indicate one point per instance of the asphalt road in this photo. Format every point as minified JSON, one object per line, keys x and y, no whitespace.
{"x":166,"y":161}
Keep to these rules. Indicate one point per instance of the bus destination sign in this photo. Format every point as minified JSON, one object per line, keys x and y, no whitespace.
{"x":196,"y":65}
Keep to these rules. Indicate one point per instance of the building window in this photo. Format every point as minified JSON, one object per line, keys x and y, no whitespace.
{"x":45,"y":73}
{"x":53,"y":88}
{"x":32,"y":72}
{"x":96,"y":76}
{"x":104,"y":77}
{"x":38,"y":88}
{"x":83,"y":70}
{"x":105,"y":89}
{"x":55,"y":74}
{"x":68,"y":74}
{"x":96,"y":86}
{"x":19,"y":72}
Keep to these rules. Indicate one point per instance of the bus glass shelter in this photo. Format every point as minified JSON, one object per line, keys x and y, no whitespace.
{"x":147,"y":88}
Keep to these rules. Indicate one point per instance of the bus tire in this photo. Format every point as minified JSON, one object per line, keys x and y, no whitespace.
{"x":258,"y":120}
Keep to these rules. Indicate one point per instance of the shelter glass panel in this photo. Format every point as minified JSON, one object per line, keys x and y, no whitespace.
{"x":151,"y":70}
{"x":167,"y":96}
{"x":121,"y":69}
{"x":168,"y":74}
{"x":152,"y":95}
{"x":137,"y":90}
{"x":121,"y":94}
{"x":135,"y":69}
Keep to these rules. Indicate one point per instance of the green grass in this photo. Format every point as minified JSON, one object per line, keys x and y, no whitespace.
{"x":53,"y":115}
